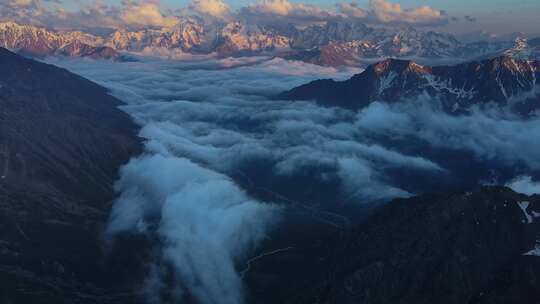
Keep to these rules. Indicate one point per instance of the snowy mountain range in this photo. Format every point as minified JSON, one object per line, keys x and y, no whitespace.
{"x":330,"y":44}
{"x":505,"y":81}
{"x":190,"y":36}
{"x":40,"y":42}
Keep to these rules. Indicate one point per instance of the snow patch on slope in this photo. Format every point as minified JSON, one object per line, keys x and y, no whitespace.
{"x":446,"y":85}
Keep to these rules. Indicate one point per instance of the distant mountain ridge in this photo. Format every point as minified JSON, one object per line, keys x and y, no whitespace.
{"x":503,"y":80}
{"x":39,"y":42}
{"x":331,"y":44}
{"x":335,"y":44}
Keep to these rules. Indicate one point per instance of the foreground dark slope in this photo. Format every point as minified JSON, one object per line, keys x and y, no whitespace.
{"x":466,"y":248}
{"x":62,"y":140}
{"x":448,"y":248}
{"x":503,"y":80}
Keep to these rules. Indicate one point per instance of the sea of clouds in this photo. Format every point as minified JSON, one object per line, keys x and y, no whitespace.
{"x":214,"y":133}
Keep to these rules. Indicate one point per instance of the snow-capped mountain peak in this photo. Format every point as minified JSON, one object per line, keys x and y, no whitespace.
{"x":40,"y":42}
{"x":333,"y":43}
{"x":505,"y":81}
{"x":523,"y":49}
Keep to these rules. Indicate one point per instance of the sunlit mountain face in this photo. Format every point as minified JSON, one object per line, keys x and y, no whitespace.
{"x":347,"y":34}
{"x":274,"y":152}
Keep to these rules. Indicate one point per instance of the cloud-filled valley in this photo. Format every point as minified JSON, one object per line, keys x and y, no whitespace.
{"x":269,"y":151}
{"x":205,"y":223}
{"x":224,"y":159}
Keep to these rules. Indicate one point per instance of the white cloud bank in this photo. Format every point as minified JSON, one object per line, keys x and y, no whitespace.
{"x":525,"y":185}
{"x":205,"y":222}
{"x":285,"y":11}
{"x":491,"y":137}
{"x":204,"y":120}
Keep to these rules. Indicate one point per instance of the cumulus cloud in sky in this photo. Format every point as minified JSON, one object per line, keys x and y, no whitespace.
{"x":214,"y":8}
{"x":388,"y":12}
{"x":147,"y":13}
{"x":352,"y":10}
{"x":378,"y":11}
{"x":94,"y":14}
{"x":285,"y":11}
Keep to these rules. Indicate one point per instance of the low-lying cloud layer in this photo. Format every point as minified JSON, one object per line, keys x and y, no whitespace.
{"x":213,"y":135}
{"x":525,"y":185}
{"x":204,"y":220}
{"x":492,"y":136}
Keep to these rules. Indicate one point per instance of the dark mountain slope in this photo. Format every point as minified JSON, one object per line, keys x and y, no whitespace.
{"x":503,"y":80}
{"x":464,"y":248}
{"x":62,"y":140}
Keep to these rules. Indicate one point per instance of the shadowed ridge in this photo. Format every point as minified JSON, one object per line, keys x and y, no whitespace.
{"x":62,"y":142}
{"x":504,"y":80}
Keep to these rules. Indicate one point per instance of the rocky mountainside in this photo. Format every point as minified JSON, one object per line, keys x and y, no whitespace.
{"x":524,"y":49}
{"x":62,"y":142}
{"x":193,"y":35}
{"x":337,"y":44}
{"x":340,"y":43}
{"x":39,"y":42}
{"x":503,"y":80}
{"x":330,"y":44}
{"x":480,"y":246}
